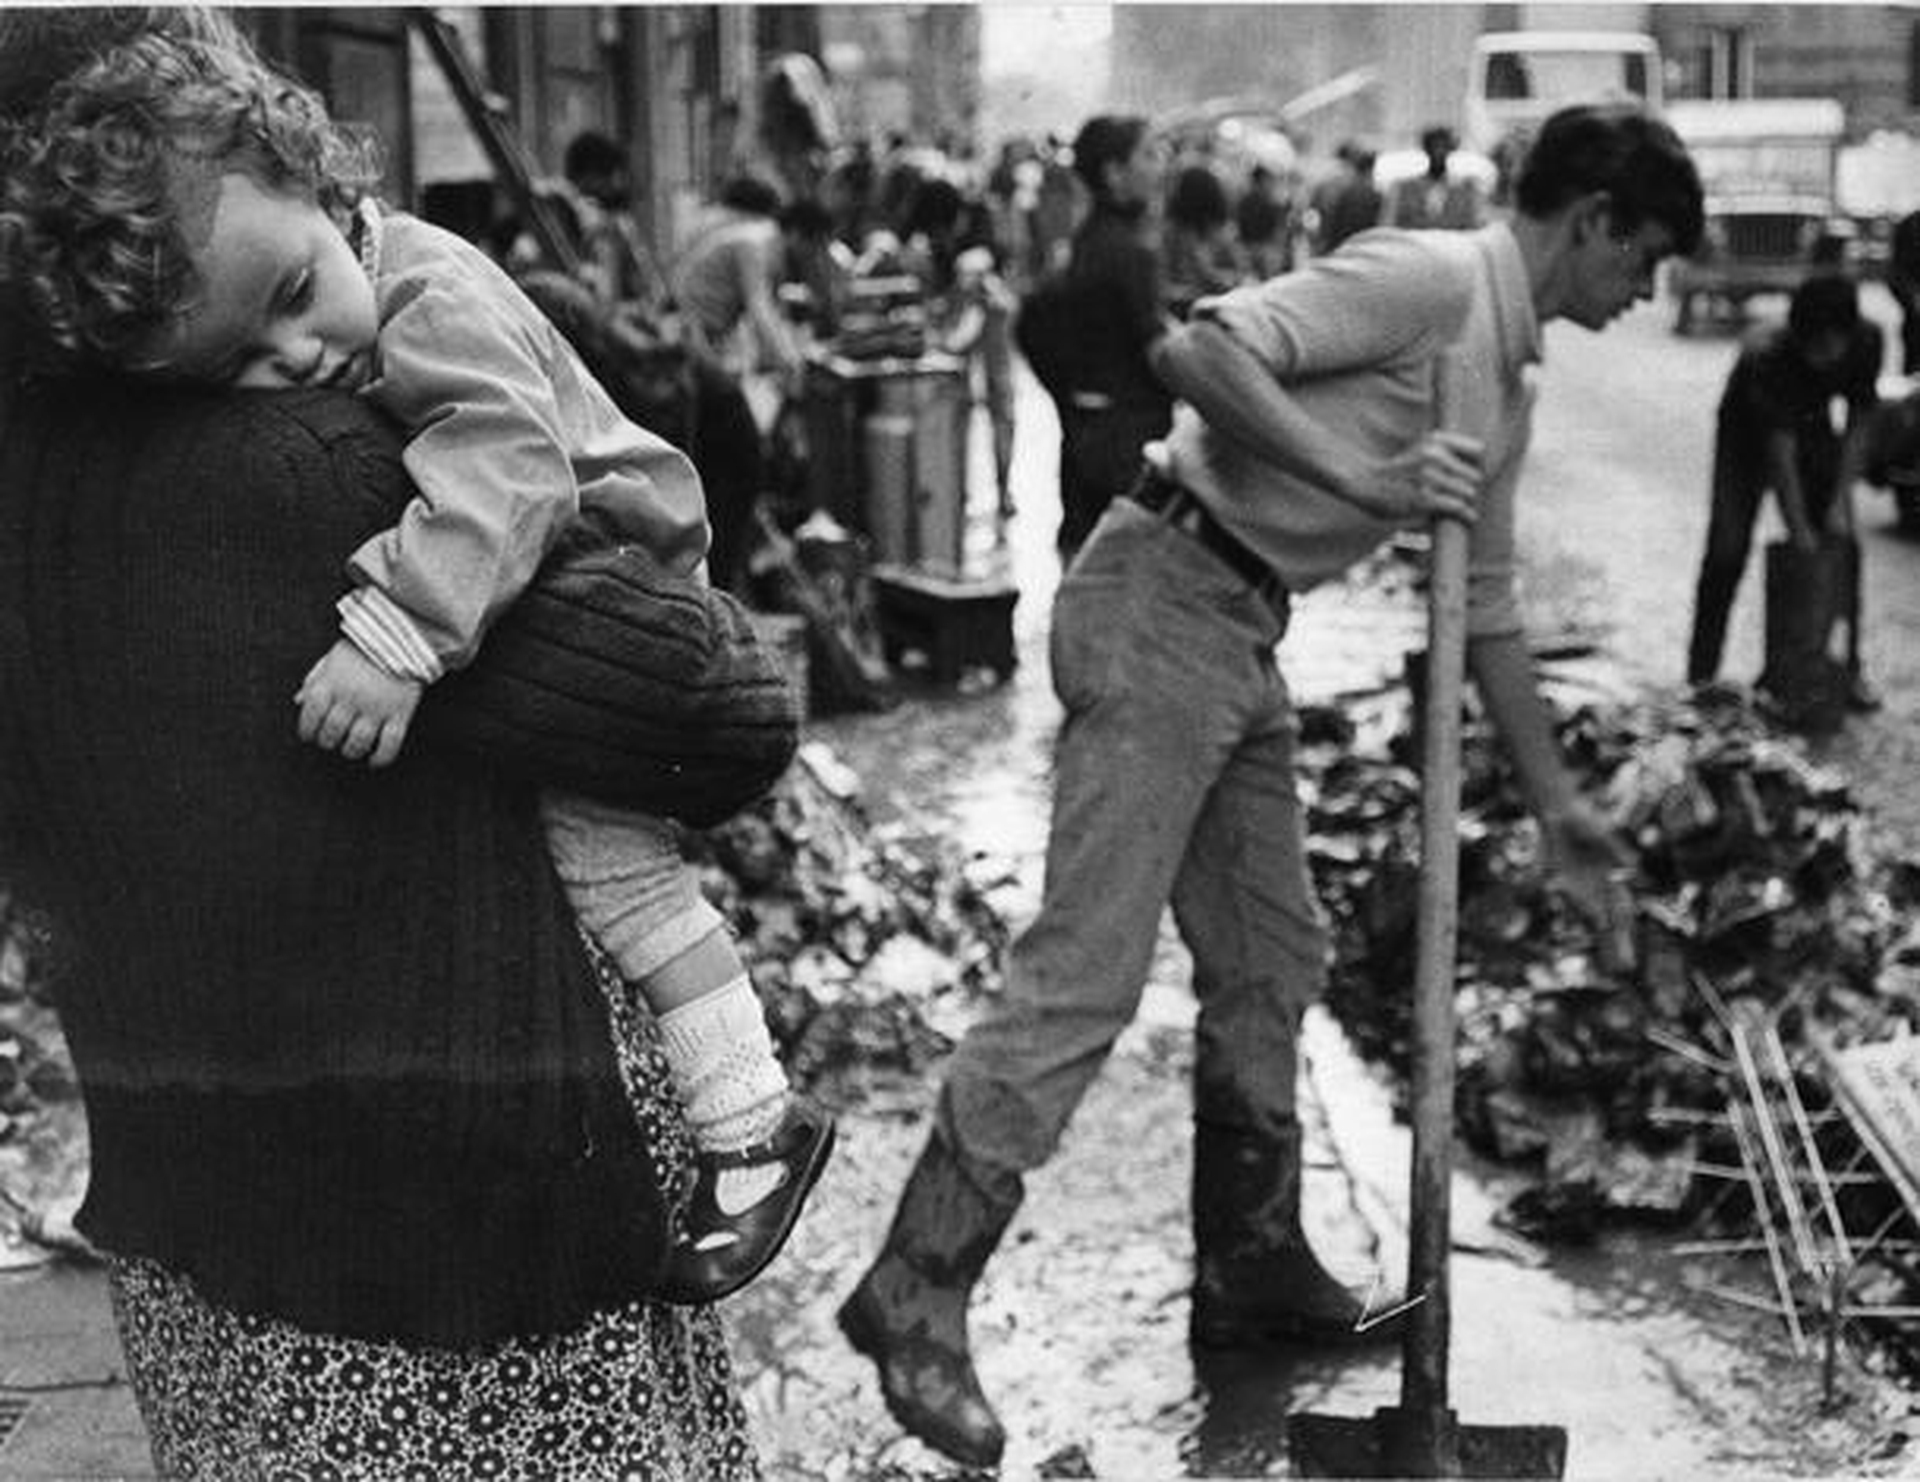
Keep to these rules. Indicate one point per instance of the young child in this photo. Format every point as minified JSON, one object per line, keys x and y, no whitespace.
{"x":197,"y":216}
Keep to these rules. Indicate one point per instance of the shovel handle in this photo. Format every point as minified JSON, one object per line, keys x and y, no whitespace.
{"x":1423,"y":1369}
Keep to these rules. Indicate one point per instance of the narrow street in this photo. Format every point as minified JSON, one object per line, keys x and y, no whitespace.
{"x":826,"y":201}
{"x":1080,"y":1325}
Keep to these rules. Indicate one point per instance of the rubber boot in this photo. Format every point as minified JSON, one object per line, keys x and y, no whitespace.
{"x":909,"y":1312}
{"x":1257,"y":1281}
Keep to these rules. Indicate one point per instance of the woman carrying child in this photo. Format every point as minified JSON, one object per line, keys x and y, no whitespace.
{"x":365,"y":1154}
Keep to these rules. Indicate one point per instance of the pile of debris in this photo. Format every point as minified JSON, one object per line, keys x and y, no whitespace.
{"x":869,"y":943}
{"x":42,"y":1123}
{"x":1753,"y":884}
{"x":1748,"y":1064}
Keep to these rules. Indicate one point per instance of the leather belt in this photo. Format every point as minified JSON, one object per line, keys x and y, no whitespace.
{"x":1181,"y":508}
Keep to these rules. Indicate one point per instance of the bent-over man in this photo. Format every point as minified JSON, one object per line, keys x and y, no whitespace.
{"x":1310,"y":437}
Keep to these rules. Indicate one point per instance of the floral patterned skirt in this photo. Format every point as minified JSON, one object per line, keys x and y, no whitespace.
{"x":645,"y":1391}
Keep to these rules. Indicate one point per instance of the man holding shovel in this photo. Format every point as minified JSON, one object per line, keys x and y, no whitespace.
{"x":1310,"y":436}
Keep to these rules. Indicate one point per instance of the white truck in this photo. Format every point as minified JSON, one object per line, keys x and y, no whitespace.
{"x":1517,"y":78}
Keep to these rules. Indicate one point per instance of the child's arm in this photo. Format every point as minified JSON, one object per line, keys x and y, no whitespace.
{"x":498,"y":411}
{"x":497,"y":407}
{"x":360,"y":698}
{"x":486,"y":450}
{"x":351,"y":705}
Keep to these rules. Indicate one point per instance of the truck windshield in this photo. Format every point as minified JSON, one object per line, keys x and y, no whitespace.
{"x":1513,"y":76}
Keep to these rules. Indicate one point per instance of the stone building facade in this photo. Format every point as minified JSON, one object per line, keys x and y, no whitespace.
{"x":676,"y":83}
{"x":1865,"y":57}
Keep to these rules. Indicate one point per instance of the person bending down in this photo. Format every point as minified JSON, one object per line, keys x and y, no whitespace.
{"x":1310,"y":434}
{"x":195,"y":216}
{"x":1775,"y":433}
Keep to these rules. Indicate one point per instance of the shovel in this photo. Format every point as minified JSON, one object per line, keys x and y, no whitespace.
{"x":1421,"y":1437}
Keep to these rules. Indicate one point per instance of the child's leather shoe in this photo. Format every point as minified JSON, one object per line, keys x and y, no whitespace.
{"x":716,"y":1253}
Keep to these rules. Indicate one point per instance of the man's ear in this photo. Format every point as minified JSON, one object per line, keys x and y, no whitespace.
{"x":1592,"y":213}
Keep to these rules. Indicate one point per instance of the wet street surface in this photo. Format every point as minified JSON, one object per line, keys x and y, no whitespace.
{"x":1080,"y":1325}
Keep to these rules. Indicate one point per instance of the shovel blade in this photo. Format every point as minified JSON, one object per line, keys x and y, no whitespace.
{"x":1388,"y":1444}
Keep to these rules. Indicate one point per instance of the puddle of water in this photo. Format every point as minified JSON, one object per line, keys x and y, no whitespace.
{"x":1648,"y":1380}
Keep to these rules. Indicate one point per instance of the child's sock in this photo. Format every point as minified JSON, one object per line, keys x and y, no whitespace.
{"x":735,"y":1092}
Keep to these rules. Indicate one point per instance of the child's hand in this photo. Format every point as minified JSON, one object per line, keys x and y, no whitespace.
{"x":351,"y":705}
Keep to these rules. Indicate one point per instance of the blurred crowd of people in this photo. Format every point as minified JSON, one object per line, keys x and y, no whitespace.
{"x":1217,"y":216}
{"x":1146,"y":221}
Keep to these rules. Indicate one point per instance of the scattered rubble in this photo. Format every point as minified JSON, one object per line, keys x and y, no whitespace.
{"x":42,"y":1124}
{"x":867,"y":942}
{"x":1685,"y":1086}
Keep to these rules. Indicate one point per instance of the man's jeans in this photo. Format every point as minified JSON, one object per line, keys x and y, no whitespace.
{"x":1173,"y":783}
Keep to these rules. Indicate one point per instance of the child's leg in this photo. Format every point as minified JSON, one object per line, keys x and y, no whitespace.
{"x":633,"y":892}
{"x":761,"y":1148}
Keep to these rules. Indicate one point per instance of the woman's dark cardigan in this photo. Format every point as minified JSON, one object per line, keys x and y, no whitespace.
{"x":344,"y":1060}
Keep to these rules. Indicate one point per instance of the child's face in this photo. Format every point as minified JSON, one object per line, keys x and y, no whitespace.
{"x":285,"y":301}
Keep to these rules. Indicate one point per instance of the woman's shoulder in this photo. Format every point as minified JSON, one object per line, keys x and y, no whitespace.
{"x":225,"y":427}
{"x":288,"y":430}
{"x":197,"y":468}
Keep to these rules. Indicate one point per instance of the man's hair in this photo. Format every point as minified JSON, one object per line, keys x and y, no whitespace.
{"x":1105,"y":139}
{"x":1618,"y":148}
{"x":1438,"y":137}
{"x":592,"y":153}
{"x":103,"y":180}
{"x":751,"y":194}
{"x":1198,"y":201}
{"x":1823,"y":305}
{"x":935,"y":207}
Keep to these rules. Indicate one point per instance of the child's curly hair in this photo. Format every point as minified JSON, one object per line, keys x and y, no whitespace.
{"x":102,"y":183}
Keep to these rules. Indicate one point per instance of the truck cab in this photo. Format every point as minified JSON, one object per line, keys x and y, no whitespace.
{"x":1517,"y":78}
